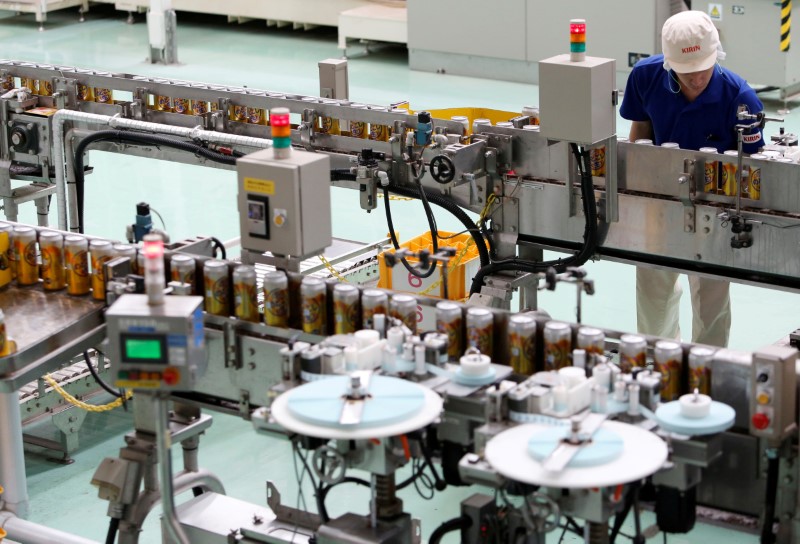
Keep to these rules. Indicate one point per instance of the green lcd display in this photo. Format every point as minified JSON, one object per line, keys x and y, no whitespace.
{"x":144,"y":349}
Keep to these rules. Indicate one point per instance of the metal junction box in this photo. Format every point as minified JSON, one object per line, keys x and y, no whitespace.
{"x":285,"y":204}
{"x":576,"y":99}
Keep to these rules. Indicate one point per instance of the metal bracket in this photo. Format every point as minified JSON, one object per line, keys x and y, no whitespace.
{"x":244,"y":404}
{"x":287,"y":514}
{"x":139,"y":104}
{"x":687,"y":189}
{"x":232,"y":358}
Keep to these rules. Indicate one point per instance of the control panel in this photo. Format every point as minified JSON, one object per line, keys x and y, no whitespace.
{"x":156,"y":347}
{"x":285,"y":203}
{"x":773,"y":392}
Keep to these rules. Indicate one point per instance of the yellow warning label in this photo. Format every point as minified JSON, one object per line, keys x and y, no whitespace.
{"x":137,"y":384}
{"x":261,"y":186}
{"x":715,"y":11}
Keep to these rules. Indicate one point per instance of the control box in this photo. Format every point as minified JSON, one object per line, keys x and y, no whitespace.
{"x":773,"y":391}
{"x":576,"y":99}
{"x":285,"y":204}
{"x":156,"y":347}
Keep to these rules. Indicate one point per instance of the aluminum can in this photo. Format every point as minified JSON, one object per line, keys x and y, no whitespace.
{"x":198,"y":107}
{"x":164,"y":103}
{"x":76,"y":258}
{"x":373,"y":301}
{"x":591,"y":340}
{"x":450,"y":321}
{"x":668,"y":358}
{"x":728,"y":176}
{"x":404,"y":308}
{"x":671,"y":145}
{"x":31,"y":84}
{"x":245,"y":293}
{"x":183,"y":269}
{"x":276,"y":299}
{"x":181,"y":105}
{"x":379,"y":133}
{"x":700,"y":359}
{"x":711,"y":172}
{"x":238,"y":113}
{"x":25,"y":255}
{"x":522,"y":343}
{"x":256,"y":116}
{"x":45,"y":87}
{"x":329,"y":125}
{"x":754,"y":181}
{"x":533,"y":114}
{"x":101,"y":252}
{"x":4,"y":344}
{"x":216,"y":287}
{"x":359,"y":129}
{"x":128,"y":251}
{"x":6,"y":83}
{"x":313,"y":301}
{"x":85,"y":93}
{"x":480,"y":330}
{"x":345,"y":308}
{"x":5,"y":245}
{"x":557,"y":345}
{"x":11,"y":254}
{"x":632,"y":352}
{"x":51,"y":244}
{"x":103,"y":95}
{"x":597,"y":161}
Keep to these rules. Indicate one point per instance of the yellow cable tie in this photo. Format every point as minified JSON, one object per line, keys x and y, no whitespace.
{"x":332,"y":270}
{"x":83,"y":405}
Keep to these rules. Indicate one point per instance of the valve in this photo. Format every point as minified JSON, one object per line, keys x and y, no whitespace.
{"x":442,"y":169}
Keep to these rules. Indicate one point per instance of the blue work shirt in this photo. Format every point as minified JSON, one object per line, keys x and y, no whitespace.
{"x":709,"y":121}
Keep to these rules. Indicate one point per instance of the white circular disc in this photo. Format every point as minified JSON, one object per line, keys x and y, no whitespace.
{"x":431,"y":409}
{"x":643,"y":454}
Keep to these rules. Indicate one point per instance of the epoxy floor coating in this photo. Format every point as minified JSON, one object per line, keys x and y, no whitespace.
{"x":195,"y":200}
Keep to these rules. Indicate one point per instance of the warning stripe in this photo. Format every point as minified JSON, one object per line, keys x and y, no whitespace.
{"x":786,"y":25}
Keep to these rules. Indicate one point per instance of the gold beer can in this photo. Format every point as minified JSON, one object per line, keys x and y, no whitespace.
{"x":85,"y":93}
{"x":5,"y":245}
{"x":30,"y":83}
{"x":51,"y":245}
{"x":313,"y":300}
{"x":404,"y":308}
{"x":182,"y":269}
{"x":373,"y":301}
{"x":103,"y":95}
{"x":45,"y":87}
{"x":633,"y":352}
{"x":329,"y":125}
{"x":238,"y":113}
{"x":76,"y":257}
{"x":6,"y":83}
{"x":668,"y":358}
{"x":276,"y":299}
{"x":101,"y":252}
{"x":217,"y":285}
{"x":711,"y":172}
{"x":480,"y":330}
{"x":557,"y":345}
{"x":728,"y":176}
{"x":245,"y":293}
{"x":164,"y":103}
{"x":345,"y":308}
{"x":450,"y":321}
{"x":198,"y":107}
{"x":25,"y":255}
{"x":700,"y":359}
{"x":754,"y":181}
{"x":597,"y":161}
{"x":181,"y":105}
{"x":591,"y":340}
{"x":359,"y":128}
{"x":522,"y":343}
{"x":256,"y":116}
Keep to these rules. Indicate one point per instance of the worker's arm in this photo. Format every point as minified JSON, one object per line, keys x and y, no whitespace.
{"x":641,"y":130}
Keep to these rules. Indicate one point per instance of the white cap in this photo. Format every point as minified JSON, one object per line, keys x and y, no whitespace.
{"x":690,"y":42}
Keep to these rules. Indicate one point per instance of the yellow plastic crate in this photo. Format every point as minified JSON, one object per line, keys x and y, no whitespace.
{"x":461,"y":269}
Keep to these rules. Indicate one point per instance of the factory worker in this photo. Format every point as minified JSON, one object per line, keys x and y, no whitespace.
{"x":685,"y":96}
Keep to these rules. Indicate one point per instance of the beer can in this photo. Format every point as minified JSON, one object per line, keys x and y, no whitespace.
{"x":238,"y":113}
{"x":245,"y":293}
{"x":533,"y":114}
{"x":85,"y":93}
{"x":700,"y":369}
{"x":216,"y":287}
{"x":668,"y":357}
{"x":129,"y":252}
{"x":6,"y":83}
{"x":11,"y":254}
{"x":198,"y":107}
{"x":183,"y":269}
{"x":213,"y":106}
{"x":404,"y":308}
{"x":256,"y":116}
{"x":522,"y":343}
{"x":477,"y":123}
{"x":5,"y":245}
{"x":358,"y":128}
{"x":505,"y":124}
{"x":313,"y":301}
{"x":276,"y":299}
{"x":164,"y":103}
{"x":373,"y":301}
{"x":449,"y":321}
{"x":632,"y":352}
{"x":671,"y":145}
{"x":45,"y":87}
{"x":643,"y":141}
{"x":591,"y":340}
{"x":711,"y":172}
{"x":30,"y":83}
{"x":181,"y":105}
{"x":345,"y":308}
{"x":557,"y":345}
{"x":480,"y":330}
{"x":76,"y":258}
{"x":51,"y":244}
{"x":597,"y":160}
{"x":464,"y":120}
{"x":4,"y":344}
{"x":25,"y":255}
{"x":101,"y":252}
{"x":754,"y":182}
{"x":728,"y":176}
{"x":329,"y":125}
{"x":103,"y":95}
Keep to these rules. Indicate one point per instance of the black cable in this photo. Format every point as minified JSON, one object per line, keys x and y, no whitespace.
{"x":140,"y":138}
{"x":113,"y":527}
{"x":98,"y":379}
{"x":317,"y":495}
{"x":411,"y":269}
{"x":342,"y":174}
{"x":773,"y":465}
{"x":219,"y":245}
{"x":586,"y":251}
{"x":455,"y":524}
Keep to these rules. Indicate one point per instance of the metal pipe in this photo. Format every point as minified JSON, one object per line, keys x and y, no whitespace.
{"x":171,"y":523}
{"x":739,"y":142}
{"x":26,"y":532}
{"x":12,"y":456}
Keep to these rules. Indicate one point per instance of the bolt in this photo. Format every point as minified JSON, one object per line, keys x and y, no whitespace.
{"x":257,"y":520}
{"x":706,"y":230}
{"x":706,"y":217}
{"x":251,"y":366}
{"x":788,"y":480}
{"x":698,"y":257}
{"x":252,"y":351}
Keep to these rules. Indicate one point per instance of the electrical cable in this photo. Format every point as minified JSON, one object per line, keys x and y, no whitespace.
{"x":163,"y":224}
{"x":100,"y":380}
{"x":136,"y":138}
{"x":586,"y":251}
{"x":411,"y":269}
{"x":113,"y":527}
{"x":455,"y":524}
{"x":219,"y":245}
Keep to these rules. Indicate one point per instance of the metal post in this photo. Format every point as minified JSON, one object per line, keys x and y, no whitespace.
{"x":612,"y":181}
{"x":171,"y":524}
{"x":739,"y":138}
{"x":12,"y":456}
{"x":42,"y":211}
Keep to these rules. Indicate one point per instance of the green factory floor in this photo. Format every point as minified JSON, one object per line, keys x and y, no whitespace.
{"x":194,"y":200}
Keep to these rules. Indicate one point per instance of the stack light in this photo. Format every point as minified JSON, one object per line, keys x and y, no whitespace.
{"x":281,"y":132}
{"x":577,"y":40}
{"x":153,"y":250}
